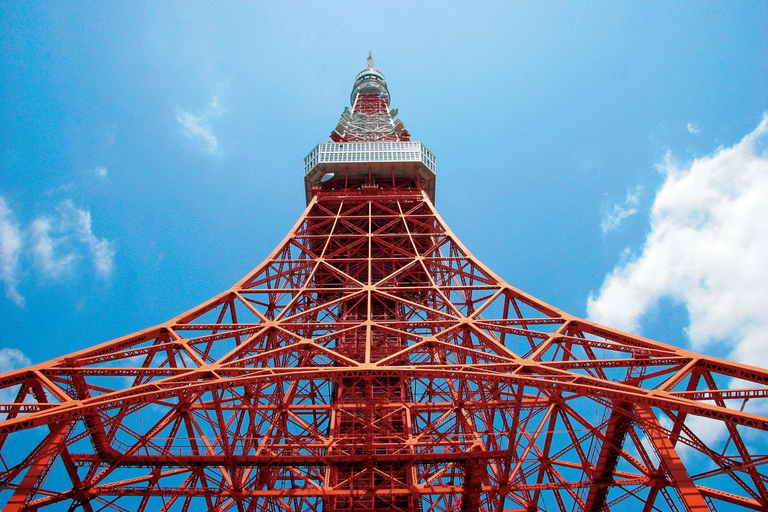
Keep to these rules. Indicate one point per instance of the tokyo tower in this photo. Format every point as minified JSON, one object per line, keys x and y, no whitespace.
{"x":371,"y":363}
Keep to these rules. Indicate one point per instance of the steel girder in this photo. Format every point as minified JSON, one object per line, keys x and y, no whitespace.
{"x":372,"y":363}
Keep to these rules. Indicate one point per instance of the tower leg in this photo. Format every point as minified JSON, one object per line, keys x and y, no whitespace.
{"x":602,"y":480}
{"x":47,"y":451}
{"x":670,"y":460}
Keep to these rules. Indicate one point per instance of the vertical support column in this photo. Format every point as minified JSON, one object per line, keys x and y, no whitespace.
{"x":46,"y":452}
{"x":474,"y":473}
{"x":366,"y":427}
{"x":670,"y":460}
{"x":610,"y":452}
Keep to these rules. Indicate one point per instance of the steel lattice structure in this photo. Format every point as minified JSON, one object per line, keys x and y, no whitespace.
{"x":371,"y":363}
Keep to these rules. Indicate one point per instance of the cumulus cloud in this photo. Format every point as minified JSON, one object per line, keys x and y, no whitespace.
{"x":12,"y":359}
{"x":56,"y":242}
{"x":707,"y":249}
{"x":199,"y":126}
{"x":102,"y":251}
{"x":613,"y":216}
{"x":693,"y":129}
{"x":10,"y":248}
{"x":46,"y":246}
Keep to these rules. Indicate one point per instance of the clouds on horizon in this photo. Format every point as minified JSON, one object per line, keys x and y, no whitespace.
{"x":199,"y":126}
{"x":56,"y":242}
{"x":707,"y":249}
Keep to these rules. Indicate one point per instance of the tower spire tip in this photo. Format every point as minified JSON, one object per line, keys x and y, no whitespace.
{"x":370,"y":60}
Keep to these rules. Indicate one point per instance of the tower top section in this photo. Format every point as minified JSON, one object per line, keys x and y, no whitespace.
{"x":370,"y":149}
{"x":370,"y":118}
{"x":370,"y":82}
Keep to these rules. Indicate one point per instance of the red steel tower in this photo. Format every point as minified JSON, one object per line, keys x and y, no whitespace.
{"x":371,"y":363}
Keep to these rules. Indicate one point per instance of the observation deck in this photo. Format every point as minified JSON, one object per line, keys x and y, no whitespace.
{"x":380,"y":161}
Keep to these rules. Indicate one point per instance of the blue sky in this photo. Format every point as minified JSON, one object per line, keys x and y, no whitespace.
{"x":592,"y":154}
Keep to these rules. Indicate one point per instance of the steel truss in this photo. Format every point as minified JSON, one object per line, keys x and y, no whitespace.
{"x":372,"y":363}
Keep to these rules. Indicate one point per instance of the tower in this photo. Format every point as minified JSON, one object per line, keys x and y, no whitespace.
{"x":371,"y":363}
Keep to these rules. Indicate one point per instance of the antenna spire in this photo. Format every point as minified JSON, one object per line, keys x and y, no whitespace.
{"x":370,"y":61}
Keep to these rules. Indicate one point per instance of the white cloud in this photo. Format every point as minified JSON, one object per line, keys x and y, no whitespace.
{"x":693,"y":129}
{"x":101,"y":172}
{"x":615,"y":215}
{"x":198,"y":126}
{"x":58,"y":243}
{"x":49,"y":247}
{"x":12,"y":359}
{"x":102,"y":251}
{"x":707,"y":249}
{"x":10,"y":247}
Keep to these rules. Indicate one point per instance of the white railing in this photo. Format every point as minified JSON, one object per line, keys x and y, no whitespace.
{"x":374,"y":152}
